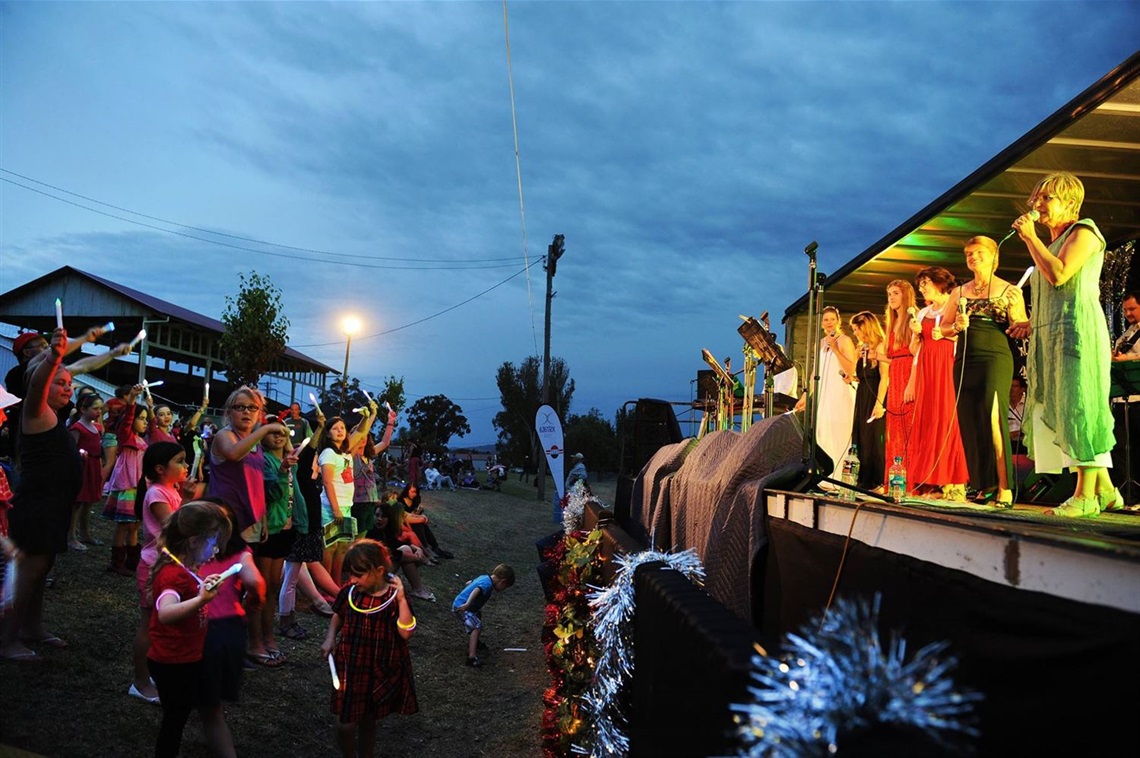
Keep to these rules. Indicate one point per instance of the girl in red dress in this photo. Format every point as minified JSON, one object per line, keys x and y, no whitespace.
{"x":937,"y":459}
{"x":88,"y":435}
{"x":900,"y":412}
{"x":368,"y":640}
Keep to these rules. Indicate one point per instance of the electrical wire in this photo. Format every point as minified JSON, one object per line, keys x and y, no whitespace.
{"x":518,"y":174}
{"x":434,"y":264}
{"x":425,"y":318}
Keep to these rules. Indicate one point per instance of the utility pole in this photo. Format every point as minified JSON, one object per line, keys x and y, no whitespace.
{"x":553,"y":253}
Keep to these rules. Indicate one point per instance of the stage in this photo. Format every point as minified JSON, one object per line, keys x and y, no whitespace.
{"x":1087,"y":560}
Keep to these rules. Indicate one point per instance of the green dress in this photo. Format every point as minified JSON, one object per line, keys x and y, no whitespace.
{"x":1068,"y":365}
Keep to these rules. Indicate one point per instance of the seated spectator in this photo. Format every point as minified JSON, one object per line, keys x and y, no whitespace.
{"x":468,"y":481}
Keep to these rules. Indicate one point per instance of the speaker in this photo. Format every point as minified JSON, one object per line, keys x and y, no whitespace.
{"x":654,"y":426}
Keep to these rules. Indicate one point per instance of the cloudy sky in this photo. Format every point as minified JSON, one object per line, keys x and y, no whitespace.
{"x":362,"y":156}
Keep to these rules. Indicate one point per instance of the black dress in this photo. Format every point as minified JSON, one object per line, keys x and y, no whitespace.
{"x":51,"y":474}
{"x":983,"y":371}
{"x":871,"y":438}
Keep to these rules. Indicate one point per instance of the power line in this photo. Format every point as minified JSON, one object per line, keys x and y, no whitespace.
{"x":462,"y":265}
{"x":425,"y":318}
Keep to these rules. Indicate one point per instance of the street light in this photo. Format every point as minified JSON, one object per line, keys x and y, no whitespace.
{"x":351,"y":326}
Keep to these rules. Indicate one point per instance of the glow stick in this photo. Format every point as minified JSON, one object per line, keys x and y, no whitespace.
{"x":58,"y":314}
{"x":206,"y":394}
{"x":231,"y":571}
{"x":159,"y":383}
{"x":514,"y":650}
{"x":361,"y":411}
{"x":315,"y":403}
{"x":108,"y":327}
{"x":1024,"y":277}
{"x":387,"y":406}
{"x":332,"y":670}
{"x":174,"y":558}
{"x":304,"y":442}
{"x":366,"y":395}
{"x":138,"y":338}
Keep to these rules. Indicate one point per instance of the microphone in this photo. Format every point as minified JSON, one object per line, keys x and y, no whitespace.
{"x":1033,"y":215}
{"x":913,"y":313}
{"x":962,"y":305}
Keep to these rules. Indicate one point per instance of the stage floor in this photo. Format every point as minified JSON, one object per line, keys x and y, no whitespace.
{"x":1094,"y":560}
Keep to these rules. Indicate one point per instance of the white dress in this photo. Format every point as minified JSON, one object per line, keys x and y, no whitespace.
{"x":836,"y":410}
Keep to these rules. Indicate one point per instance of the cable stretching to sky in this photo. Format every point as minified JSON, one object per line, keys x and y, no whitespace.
{"x":518,"y":174}
{"x":474,"y":263}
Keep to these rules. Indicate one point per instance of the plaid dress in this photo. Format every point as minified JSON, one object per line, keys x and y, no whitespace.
{"x":372,"y":659}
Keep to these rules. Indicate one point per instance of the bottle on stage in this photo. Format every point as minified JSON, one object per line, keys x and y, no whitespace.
{"x":896,"y":480}
{"x":850,"y":472}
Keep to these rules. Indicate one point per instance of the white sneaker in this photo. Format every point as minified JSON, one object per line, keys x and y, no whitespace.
{"x":134,"y":692}
{"x":424,"y":594}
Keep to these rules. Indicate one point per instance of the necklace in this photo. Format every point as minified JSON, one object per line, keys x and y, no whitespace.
{"x":377,"y":609}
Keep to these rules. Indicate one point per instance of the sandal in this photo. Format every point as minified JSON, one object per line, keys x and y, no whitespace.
{"x":1113,"y":502}
{"x":294,"y":632}
{"x":265,"y":659}
{"x":1076,"y":507}
{"x":1004,"y":498}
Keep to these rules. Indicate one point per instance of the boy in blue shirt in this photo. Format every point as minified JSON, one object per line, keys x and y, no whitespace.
{"x":468,"y":605}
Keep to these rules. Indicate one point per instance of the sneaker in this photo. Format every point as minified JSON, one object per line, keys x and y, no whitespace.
{"x":423,"y":594}
{"x":475,"y":662}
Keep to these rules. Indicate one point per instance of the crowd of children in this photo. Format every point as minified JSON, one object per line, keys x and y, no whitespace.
{"x":214,"y":559}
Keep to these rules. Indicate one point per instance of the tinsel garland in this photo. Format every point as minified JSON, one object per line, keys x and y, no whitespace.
{"x":613,"y":609}
{"x":574,"y":506}
{"x":1113,"y":283}
{"x":567,"y":640}
{"x":835,"y":684}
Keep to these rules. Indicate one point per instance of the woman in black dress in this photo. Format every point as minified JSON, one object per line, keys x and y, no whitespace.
{"x":870,"y":425}
{"x":50,"y":476}
{"x":992,"y":310}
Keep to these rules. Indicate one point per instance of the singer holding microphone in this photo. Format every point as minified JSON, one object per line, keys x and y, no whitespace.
{"x":1068,"y":422}
{"x":993,"y":310}
{"x":835,"y":408}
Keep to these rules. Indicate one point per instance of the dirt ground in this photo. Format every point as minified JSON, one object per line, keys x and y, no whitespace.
{"x":74,"y":702}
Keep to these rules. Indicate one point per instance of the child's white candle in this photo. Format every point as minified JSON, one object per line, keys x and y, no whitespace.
{"x":231,"y":571}
{"x":58,"y":313}
{"x":138,"y":338}
{"x":303,"y":443}
{"x":366,"y":395}
{"x":206,"y":394}
{"x":332,"y":670}
{"x":315,"y":403}
{"x":108,"y":327}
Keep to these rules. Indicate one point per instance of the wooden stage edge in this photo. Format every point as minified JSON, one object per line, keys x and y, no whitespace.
{"x":1087,"y":560}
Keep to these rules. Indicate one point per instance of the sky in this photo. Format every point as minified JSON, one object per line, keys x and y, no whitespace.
{"x":362,"y":155}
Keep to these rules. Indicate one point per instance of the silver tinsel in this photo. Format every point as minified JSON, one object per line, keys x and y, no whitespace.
{"x":574,"y":514}
{"x":835,"y":678}
{"x":613,"y":609}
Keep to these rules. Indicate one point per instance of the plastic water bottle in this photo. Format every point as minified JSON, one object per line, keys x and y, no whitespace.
{"x":850,"y":472}
{"x":896,"y":480}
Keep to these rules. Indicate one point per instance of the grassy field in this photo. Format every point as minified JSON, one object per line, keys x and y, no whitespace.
{"x":74,"y":702}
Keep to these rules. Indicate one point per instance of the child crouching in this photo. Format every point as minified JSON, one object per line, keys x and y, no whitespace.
{"x":468,"y":605}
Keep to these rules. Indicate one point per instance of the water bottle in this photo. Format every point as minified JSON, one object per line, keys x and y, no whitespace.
{"x":850,"y":472}
{"x":896,"y":480}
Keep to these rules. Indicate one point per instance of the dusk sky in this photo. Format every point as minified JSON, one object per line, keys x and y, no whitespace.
{"x":361,"y":155}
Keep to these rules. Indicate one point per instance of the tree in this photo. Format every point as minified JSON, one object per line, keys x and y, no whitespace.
{"x":256,"y":329}
{"x":434,"y":420}
{"x":594,"y":437}
{"x":520,"y":392}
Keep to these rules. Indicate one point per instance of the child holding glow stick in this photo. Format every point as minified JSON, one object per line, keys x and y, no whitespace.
{"x":130,"y":426}
{"x":368,"y":638}
{"x":159,"y":494}
{"x":178,"y":625}
{"x":87,"y":432}
{"x":224,"y":652}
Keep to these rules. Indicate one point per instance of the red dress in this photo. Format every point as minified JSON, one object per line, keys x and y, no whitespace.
{"x":936,"y":454}
{"x":900,"y":415}
{"x":371,"y":657}
{"x":90,"y":445}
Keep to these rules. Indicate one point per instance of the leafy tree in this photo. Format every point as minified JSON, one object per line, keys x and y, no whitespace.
{"x":623,"y":424}
{"x":594,"y":437}
{"x":256,"y":329}
{"x":520,"y":392}
{"x":434,"y":420}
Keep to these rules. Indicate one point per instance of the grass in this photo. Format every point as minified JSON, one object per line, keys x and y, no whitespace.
{"x":74,"y":701}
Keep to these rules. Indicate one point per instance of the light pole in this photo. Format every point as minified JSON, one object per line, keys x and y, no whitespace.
{"x":351,"y":325}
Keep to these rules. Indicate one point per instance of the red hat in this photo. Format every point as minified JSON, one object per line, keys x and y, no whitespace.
{"x":22,"y":341}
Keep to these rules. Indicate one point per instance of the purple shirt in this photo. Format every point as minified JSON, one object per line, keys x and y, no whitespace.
{"x":240,"y":485}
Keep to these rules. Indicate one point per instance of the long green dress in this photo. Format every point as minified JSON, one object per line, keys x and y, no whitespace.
{"x":1069,"y":358}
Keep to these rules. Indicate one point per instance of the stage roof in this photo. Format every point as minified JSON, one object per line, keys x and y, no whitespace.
{"x":1095,"y":136}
